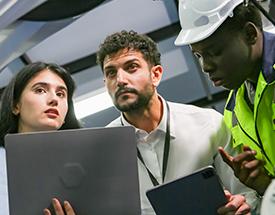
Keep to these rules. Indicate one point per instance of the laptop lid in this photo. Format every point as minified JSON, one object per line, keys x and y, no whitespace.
{"x":94,"y":169}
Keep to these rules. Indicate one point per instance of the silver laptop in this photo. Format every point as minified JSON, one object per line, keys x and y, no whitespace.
{"x":94,"y":169}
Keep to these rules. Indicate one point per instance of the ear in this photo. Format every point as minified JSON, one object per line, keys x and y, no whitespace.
{"x":16,"y":110}
{"x":251,"y":33}
{"x":156,"y":74}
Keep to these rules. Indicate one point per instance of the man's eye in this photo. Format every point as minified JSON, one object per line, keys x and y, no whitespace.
{"x":216,"y":52}
{"x":132,"y":66}
{"x":110,"y":73}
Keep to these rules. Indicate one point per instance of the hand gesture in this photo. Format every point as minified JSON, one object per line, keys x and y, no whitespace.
{"x":248,"y":169}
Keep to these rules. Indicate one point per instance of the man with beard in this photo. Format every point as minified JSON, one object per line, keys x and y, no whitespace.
{"x":172,"y":139}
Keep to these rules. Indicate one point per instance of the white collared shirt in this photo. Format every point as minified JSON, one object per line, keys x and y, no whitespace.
{"x":151,"y":145}
{"x":196,"y":134}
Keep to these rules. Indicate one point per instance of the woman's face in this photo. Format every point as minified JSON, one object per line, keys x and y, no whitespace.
{"x":43,"y":104}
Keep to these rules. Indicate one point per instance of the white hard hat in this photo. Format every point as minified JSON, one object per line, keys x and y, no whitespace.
{"x":200,"y":18}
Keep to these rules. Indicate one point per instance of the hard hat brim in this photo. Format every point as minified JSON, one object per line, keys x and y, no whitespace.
{"x":194,"y":35}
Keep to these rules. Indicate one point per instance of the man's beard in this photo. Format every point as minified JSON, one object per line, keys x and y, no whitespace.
{"x":141,"y":102}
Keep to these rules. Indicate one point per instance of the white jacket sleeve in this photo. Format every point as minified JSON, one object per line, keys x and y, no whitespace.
{"x":226,"y":174}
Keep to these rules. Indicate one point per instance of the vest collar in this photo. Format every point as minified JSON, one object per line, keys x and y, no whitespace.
{"x":268,"y":57}
{"x":268,"y":70}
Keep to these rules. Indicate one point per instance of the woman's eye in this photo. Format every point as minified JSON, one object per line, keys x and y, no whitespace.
{"x":40,"y":90}
{"x":61,"y":94}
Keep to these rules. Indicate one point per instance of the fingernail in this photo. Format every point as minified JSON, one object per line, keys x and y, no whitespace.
{"x":45,"y":211}
{"x":54,"y":201}
{"x":66,"y":204}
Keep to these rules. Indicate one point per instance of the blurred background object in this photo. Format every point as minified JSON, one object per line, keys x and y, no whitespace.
{"x":68,"y":32}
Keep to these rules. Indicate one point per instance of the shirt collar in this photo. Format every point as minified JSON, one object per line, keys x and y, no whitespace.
{"x":162,"y":125}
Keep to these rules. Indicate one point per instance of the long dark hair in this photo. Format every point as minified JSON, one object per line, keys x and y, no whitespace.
{"x":13,"y":91}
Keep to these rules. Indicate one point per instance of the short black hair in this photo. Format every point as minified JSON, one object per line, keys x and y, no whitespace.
{"x":129,"y":40}
{"x":243,"y":14}
{"x":12,"y":93}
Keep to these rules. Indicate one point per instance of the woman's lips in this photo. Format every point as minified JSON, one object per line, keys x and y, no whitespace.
{"x":52,"y":113}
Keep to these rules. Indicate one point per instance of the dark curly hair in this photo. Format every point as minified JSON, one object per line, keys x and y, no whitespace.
{"x":130,"y":40}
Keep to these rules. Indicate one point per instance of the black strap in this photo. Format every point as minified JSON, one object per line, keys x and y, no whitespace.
{"x":165,"y":151}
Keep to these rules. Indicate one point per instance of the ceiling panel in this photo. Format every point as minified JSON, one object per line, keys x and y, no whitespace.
{"x":11,"y":10}
{"x":82,"y":37}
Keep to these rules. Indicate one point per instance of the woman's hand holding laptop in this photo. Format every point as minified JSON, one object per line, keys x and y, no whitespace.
{"x":59,"y":210}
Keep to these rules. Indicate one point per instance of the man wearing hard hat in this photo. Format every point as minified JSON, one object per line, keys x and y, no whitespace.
{"x":227,"y":37}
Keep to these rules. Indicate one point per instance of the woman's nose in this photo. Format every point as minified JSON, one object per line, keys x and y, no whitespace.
{"x":53,"y":99}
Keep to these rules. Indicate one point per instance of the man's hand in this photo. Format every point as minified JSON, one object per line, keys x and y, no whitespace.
{"x":68,"y":210}
{"x":248,"y":169}
{"x":236,"y":205}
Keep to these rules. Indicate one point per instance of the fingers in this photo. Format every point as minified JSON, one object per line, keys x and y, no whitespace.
{"x":239,"y":162}
{"x":246,"y":155}
{"x":243,"y":209}
{"x":246,"y":148}
{"x":46,"y":211}
{"x":68,"y":210}
{"x":226,"y":157}
{"x":255,"y":168}
{"x":236,"y":205}
{"x":236,"y":162}
{"x":250,"y":171}
{"x":227,"y":195}
{"x":57,"y":207}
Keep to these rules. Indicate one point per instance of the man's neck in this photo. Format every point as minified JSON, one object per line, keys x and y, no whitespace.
{"x":147,"y":118}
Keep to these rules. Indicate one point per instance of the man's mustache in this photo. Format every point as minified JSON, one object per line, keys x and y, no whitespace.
{"x":122,"y":90}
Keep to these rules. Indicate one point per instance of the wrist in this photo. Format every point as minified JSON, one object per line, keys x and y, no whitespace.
{"x":265,"y":183}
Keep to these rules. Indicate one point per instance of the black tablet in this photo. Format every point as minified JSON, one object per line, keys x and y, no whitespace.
{"x":198,"y":193}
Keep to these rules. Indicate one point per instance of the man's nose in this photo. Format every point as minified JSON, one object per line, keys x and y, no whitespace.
{"x":207,"y":64}
{"x":122,"y":77}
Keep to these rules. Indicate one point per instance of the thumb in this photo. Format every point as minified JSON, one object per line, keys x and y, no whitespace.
{"x":227,"y":195}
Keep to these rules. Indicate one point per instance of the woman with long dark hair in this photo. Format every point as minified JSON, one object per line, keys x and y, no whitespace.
{"x":38,"y":98}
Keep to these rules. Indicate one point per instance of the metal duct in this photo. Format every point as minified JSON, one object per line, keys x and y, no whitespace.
{"x":60,"y":9}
